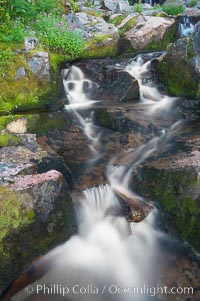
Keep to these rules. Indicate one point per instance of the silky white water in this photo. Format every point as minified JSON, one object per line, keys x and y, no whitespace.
{"x":150,"y":97}
{"x":109,"y":258}
{"x":186,"y":27}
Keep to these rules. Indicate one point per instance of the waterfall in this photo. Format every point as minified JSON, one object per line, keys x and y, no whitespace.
{"x":78,"y":90}
{"x":150,"y":97}
{"x":109,"y":259}
{"x":186,"y":27}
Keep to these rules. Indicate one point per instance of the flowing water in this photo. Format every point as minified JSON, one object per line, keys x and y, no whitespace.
{"x":109,"y":258}
{"x":186,"y":27}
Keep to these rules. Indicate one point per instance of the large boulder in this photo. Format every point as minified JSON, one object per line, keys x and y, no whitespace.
{"x":182,"y":56}
{"x":30,"y":82}
{"x":150,"y":32}
{"x":36,"y":207}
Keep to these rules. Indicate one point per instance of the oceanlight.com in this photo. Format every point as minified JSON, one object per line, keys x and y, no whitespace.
{"x":113,"y":289}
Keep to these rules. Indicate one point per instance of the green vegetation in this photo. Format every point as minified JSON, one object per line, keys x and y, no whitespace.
{"x":117,"y":20}
{"x":100,"y":46}
{"x":192,"y":3}
{"x":138,"y":8}
{"x":173,"y":9}
{"x":59,"y":35}
{"x":128,"y":25}
{"x":172,"y":190}
{"x":184,"y":83}
{"x":19,"y":17}
{"x":8,"y":140}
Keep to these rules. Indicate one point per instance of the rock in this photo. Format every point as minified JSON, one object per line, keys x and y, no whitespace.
{"x":196,"y":39}
{"x":150,"y":33}
{"x":39,"y":65}
{"x":113,"y":83}
{"x":20,"y":73}
{"x":18,"y":126}
{"x":35,"y":204}
{"x":180,"y":56}
{"x":117,"y":6}
{"x":30,"y":43}
{"x":36,"y":214}
{"x":173,"y":183}
{"x":101,"y":37}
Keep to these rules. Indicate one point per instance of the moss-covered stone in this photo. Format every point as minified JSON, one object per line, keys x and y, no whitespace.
{"x":169,"y":37}
{"x":128,"y":25}
{"x":178,"y":70}
{"x":100,"y":46}
{"x":42,"y":123}
{"x":24,"y":235}
{"x":27,"y":91}
{"x":177,"y":192}
{"x":117,"y":19}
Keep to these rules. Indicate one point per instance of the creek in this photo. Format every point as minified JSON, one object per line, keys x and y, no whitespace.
{"x":119,"y":252}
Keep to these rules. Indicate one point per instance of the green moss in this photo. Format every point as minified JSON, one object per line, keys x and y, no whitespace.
{"x":190,"y":50}
{"x":4,"y":120}
{"x":117,"y":20}
{"x":24,"y":93}
{"x":100,"y":46}
{"x":13,"y":215}
{"x":172,"y":190}
{"x":103,"y":118}
{"x":56,"y":59}
{"x":41,"y":124}
{"x":128,"y":25}
{"x":8,"y":140}
{"x":24,"y":235}
{"x":179,"y":83}
{"x":161,"y":44}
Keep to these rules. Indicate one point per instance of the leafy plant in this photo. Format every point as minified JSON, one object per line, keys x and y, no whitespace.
{"x":138,"y":8}
{"x":173,"y":9}
{"x":192,"y":3}
{"x":12,"y":32}
{"x":59,"y":35}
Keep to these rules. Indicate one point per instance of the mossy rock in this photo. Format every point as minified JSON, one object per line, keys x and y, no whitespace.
{"x":27,"y":91}
{"x":169,"y":37}
{"x":127,"y":25}
{"x":177,"y":193}
{"x":24,"y":235}
{"x":39,"y":124}
{"x":100,"y":46}
{"x":177,"y":70}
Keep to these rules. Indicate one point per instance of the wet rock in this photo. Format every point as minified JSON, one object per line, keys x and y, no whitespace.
{"x":112,"y":83}
{"x":173,"y":183}
{"x":196,"y":39}
{"x":180,"y":56}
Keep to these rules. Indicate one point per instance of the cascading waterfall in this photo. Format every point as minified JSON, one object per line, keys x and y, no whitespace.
{"x":150,"y":97}
{"x":186,"y":27}
{"x":78,"y":89}
{"x":109,"y":259}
